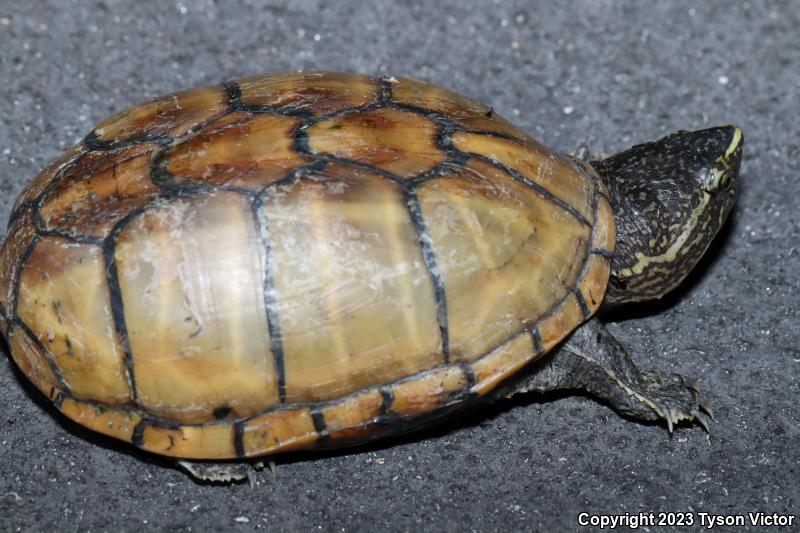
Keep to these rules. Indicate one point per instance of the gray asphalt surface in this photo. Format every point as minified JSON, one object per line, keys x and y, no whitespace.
{"x":605,"y":73}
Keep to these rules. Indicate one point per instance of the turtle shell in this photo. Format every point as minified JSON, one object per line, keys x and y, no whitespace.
{"x":294,"y":261}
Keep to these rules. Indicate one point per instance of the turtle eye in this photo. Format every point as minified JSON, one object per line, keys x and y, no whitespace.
{"x":724,"y":146}
{"x":719,"y":178}
{"x":725,"y":179}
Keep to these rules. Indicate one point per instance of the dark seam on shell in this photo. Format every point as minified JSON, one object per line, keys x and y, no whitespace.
{"x":93,"y":143}
{"x":537,"y":339}
{"x":18,"y":274}
{"x":270,"y":301}
{"x":602,"y":252}
{"x":115,"y":293}
{"x":544,"y":193}
{"x":582,"y":303}
{"x":36,"y":202}
{"x":238,"y":439}
{"x":429,"y":256}
{"x":137,"y":436}
{"x":79,"y":238}
{"x":320,"y":426}
{"x":162,"y":178}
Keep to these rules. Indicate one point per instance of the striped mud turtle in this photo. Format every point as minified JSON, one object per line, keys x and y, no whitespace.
{"x":312,"y":260}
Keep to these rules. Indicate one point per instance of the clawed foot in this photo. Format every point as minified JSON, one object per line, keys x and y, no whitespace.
{"x":226,"y":472}
{"x":674,"y":398}
{"x":592,"y":360}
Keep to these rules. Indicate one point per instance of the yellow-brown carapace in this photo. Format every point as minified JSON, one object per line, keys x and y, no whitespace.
{"x":294,"y":261}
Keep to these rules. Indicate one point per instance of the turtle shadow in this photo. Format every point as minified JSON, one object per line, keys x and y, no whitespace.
{"x":480,"y":413}
{"x":473,"y":415}
{"x":636,"y":310}
{"x":469,"y":418}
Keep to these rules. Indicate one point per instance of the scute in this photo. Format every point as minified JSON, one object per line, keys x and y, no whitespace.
{"x":395,"y":141}
{"x":64,"y":299}
{"x":31,"y":359}
{"x":538,"y":165}
{"x":161,"y":119}
{"x":241,"y":150}
{"x":98,"y":190}
{"x":193,"y":310}
{"x":295,"y":261}
{"x":308,"y":93}
{"x":506,"y":254}
{"x":467,"y":113}
{"x":34,"y":189}
{"x":20,"y":239}
{"x":345,"y":250}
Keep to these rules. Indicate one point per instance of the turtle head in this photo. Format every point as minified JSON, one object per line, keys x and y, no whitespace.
{"x":670,"y":198}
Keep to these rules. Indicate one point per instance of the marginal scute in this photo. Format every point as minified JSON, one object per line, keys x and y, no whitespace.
{"x":20,"y":236}
{"x":32,"y":361}
{"x":349,"y":419}
{"x":430,"y":391}
{"x":563,"y":319}
{"x":505,"y":254}
{"x":309,"y":93}
{"x":594,"y":287}
{"x":239,"y":150}
{"x":190,"y":442}
{"x":396,"y":141}
{"x":346,"y":252}
{"x":117,"y":423}
{"x":99,"y":190}
{"x":604,"y":229}
{"x":465,"y":111}
{"x":502,"y":362}
{"x":38,"y":184}
{"x":191,"y":277}
{"x":72,"y":317}
{"x":277,"y":431}
{"x":173,"y":116}
{"x":555,"y":173}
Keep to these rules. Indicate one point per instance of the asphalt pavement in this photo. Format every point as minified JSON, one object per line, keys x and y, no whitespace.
{"x":604,"y":73}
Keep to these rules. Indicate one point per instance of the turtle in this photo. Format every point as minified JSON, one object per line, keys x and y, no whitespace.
{"x":316,"y":260}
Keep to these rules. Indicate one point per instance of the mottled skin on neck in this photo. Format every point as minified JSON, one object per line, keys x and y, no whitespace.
{"x":670,"y":199}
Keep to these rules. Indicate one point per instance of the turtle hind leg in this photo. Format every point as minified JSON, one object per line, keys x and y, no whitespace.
{"x":225,"y":472}
{"x":592,"y":360}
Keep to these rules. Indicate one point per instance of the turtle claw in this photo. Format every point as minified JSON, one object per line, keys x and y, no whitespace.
{"x":701,"y":419}
{"x":671,"y":415}
{"x":675,"y":398}
{"x":707,"y":408}
{"x":251,"y":478}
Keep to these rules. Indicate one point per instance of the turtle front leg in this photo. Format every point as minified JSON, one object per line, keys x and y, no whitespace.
{"x":592,"y":360}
